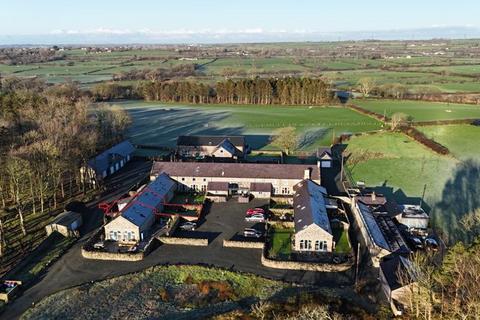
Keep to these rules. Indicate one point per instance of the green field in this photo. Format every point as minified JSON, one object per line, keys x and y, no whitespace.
{"x":399,"y":166}
{"x":422,"y":111}
{"x":160,"y":124}
{"x":462,"y":140}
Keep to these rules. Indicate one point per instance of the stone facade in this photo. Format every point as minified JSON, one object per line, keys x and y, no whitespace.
{"x":313,"y":238}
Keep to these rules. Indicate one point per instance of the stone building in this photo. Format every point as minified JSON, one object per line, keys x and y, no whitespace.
{"x":242,"y":178}
{"x":232,"y":147}
{"x":138,"y":216}
{"x":313,"y":232}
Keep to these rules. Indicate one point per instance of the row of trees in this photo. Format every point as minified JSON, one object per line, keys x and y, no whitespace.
{"x":294,"y":91}
{"x":46,"y":136}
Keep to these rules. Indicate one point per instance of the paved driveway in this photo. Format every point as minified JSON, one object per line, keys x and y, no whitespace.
{"x":225,"y":221}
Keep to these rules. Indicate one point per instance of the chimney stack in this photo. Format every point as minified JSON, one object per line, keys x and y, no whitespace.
{"x":374,"y":196}
{"x":307,"y":174}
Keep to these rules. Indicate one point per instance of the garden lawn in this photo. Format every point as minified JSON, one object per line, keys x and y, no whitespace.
{"x":281,"y":243}
{"x":399,"y":166}
{"x":160,"y":124}
{"x":342,"y":244}
{"x":462,"y":140}
{"x":421,"y":111}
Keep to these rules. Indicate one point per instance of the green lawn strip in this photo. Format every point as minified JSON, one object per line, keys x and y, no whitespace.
{"x":281,"y":243}
{"x":342,"y":244}
{"x":420,"y":110}
{"x":462,"y":140}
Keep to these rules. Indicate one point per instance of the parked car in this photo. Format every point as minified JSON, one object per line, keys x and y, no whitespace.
{"x":252,"y":233}
{"x":253,"y":211}
{"x":98,"y":245}
{"x":255,"y":218}
{"x":431,"y":244}
{"x":415,"y":242}
{"x":188,"y":226}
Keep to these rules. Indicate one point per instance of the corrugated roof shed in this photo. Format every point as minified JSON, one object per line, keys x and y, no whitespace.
{"x":309,"y":206}
{"x":102,"y":161}
{"x":141,"y":208}
{"x":235,"y":170}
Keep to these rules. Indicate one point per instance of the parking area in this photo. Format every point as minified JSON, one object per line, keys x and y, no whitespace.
{"x":226,"y":221}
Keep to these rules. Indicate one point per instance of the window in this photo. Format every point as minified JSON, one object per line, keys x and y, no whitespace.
{"x":113,"y":235}
{"x":284,"y":190}
{"x":204,"y":188}
{"x":320,"y":245}
{"x":193,"y":179}
{"x":183,"y":179}
{"x":308,"y":244}
{"x":204,"y":179}
{"x":125,"y":236}
{"x":302,"y":244}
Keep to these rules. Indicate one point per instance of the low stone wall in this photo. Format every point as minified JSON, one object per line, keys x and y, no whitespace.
{"x":217,"y":198}
{"x":282,"y":224}
{"x":184,"y":241}
{"x":100,"y":255}
{"x":305,"y":266}
{"x":243,"y":244}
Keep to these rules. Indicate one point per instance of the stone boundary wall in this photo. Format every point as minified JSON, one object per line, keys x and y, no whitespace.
{"x":280,"y":211}
{"x":305,"y":266}
{"x":243,"y":244}
{"x":100,"y":255}
{"x":184,"y":241}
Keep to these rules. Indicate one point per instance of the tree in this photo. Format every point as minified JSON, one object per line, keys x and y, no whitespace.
{"x":366,"y":85}
{"x":286,"y":139}
{"x":398,"y":119}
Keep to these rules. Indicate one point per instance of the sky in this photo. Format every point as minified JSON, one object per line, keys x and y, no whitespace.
{"x":184,"y":18}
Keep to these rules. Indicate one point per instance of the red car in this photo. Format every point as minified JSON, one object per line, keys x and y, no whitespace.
{"x":253,"y":211}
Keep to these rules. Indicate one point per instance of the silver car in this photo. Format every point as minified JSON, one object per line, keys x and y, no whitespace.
{"x":252,"y":233}
{"x":255,"y":218}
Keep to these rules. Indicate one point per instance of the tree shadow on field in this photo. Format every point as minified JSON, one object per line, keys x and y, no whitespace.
{"x":400,"y":196}
{"x":161,"y":126}
{"x":310,"y":136}
{"x":460,"y":196}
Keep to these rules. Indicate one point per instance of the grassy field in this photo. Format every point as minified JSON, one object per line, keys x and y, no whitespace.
{"x":160,"y":124}
{"x":462,"y":140}
{"x":422,"y":111}
{"x":399,"y":166}
{"x":166,"y":292}
{"x":398,"y":64}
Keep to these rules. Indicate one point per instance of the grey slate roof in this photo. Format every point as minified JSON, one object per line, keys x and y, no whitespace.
{"x":391,"y":268}
{"x":217,"y":186}
{"x":228,"y":145}
{"x":238,"y":141}
{"x":66,"y":218}
{"x":102,"y":161}
{"x":234,"y":170}
{"x":152,"y":196}
{"x":382,"y":229}
{"x":260,"y":187}
{"x":309,"y":206}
